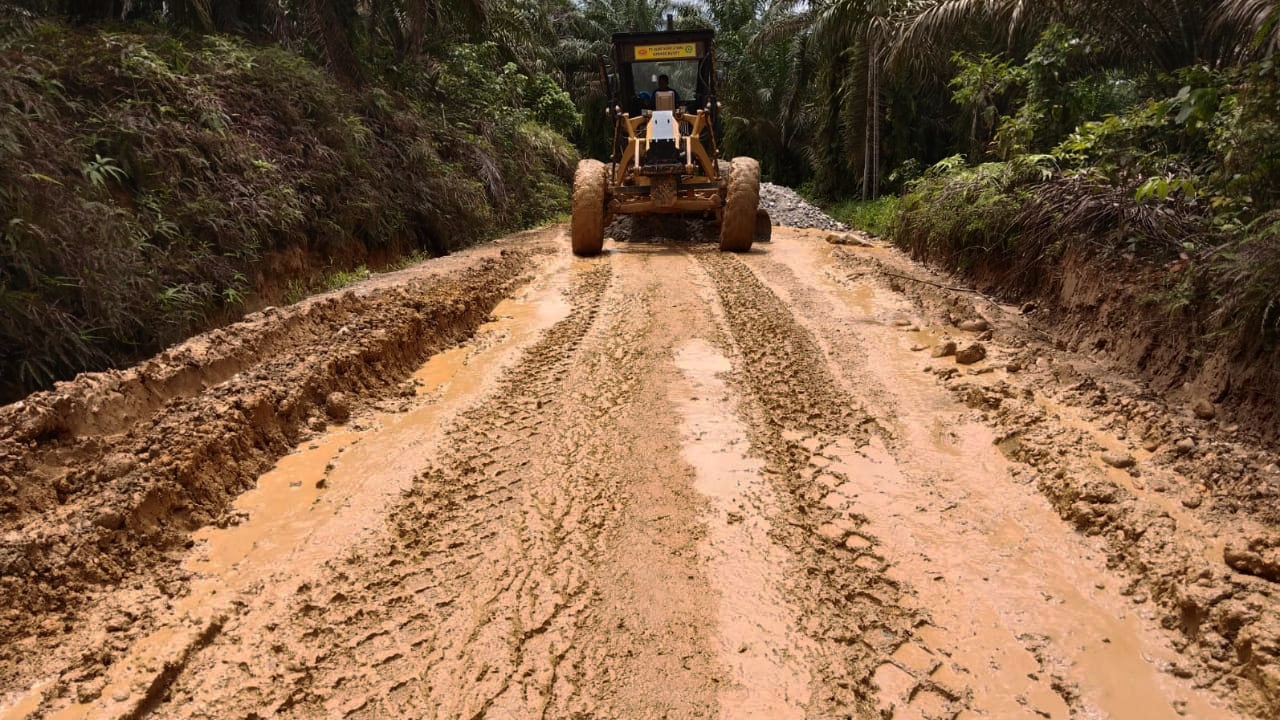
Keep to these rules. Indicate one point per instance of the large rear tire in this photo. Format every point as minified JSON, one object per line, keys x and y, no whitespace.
{"x":738,"y":226}
{"x":586,"y":231}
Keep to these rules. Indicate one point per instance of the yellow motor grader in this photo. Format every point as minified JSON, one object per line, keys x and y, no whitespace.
{"x":662,"y":100}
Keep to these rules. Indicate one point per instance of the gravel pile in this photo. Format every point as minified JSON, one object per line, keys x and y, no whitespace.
{"x":787,"y":208}
{"x":784,"y":205}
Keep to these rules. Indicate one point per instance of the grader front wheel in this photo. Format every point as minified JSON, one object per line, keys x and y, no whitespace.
{"x":738,"y":226}
{"x":586,"y":231}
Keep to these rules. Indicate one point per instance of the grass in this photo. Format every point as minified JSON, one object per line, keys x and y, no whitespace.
{"x":408,"y":261}
{"x":342,"y":278}
{"x":300,"y":289}
{"x":870,"y":216}
{"x":153,"y":186}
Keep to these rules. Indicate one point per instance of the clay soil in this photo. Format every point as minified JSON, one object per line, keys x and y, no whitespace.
{"x":662,"y":482}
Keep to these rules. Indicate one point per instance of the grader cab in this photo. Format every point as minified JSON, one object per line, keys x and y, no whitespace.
{"x":665,"y":161}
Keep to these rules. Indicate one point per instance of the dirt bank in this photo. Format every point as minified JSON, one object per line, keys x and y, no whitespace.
{"x":103,"y":478}
{"x":1181,"y":494}
{"x":1152,"y":322}
{"x":158,"y":184}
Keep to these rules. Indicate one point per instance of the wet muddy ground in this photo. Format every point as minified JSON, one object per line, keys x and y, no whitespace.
{"x":665,"y":482}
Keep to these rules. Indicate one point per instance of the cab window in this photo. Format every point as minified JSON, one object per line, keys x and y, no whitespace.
{"x":682,"y":76}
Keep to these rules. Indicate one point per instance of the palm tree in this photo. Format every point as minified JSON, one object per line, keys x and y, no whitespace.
{"x":843,"y":46}
{"x":1163,"y":35}
{"x":1249,"y":28}
{"x":602,"y":18}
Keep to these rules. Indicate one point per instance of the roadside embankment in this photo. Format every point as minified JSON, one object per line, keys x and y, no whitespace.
{"x":153,"y":186}
{"x":1151,"y":287}
{"x":103,"y":478}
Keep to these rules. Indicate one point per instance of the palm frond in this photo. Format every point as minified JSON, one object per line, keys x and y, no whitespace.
{"x":780,"y":28}
{"x":926,"y":37}
{"x":1248,"y":28}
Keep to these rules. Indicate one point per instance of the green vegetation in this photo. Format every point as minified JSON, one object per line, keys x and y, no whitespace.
{"x":152,"y":185}
{"x":336,"y":280}
{"x":1016,"y":132}
{"x":163,"y":164}
{"x":1119,"y":156}
{"x":872,"y":216}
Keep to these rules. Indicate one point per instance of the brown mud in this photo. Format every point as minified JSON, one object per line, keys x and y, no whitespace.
{"x":103,"y":478}
{"x":1189,"y":523}
{"x":1129,"y":314}
{"x":664,"y":482}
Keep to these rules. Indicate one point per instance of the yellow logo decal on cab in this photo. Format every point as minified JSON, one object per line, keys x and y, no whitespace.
{"x":666,"y":52}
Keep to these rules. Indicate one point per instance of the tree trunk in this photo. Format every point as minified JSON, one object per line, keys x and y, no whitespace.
{"x":329,"y":34}
{"x":225,"y":15}
{"x":866,"y":127}
{"x":871,"y":137}
{"x":875,"y":119}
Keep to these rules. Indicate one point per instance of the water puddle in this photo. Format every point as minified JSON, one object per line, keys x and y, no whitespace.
{"x":29,"y":702}
{"x":286,"y":498}
{"x":766,"y":660}
{"x":320,"y":500}
{"x":516,"y":322}
{"x":860,"y":298}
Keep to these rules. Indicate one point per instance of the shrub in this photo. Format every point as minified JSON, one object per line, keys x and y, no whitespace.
{"x":960,"y":214}
{"x":872,"y":216}
{"x":150,"y":186}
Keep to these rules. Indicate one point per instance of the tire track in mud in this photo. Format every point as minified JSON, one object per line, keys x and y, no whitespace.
{"x":471,"y":604}
{"x":454,"y":609}
{"x":1052,"y":421}
{"x":85,"y":516}
{"x":532,"y":497}
{"x":861,"y":621}
{"x":1023,"y":614}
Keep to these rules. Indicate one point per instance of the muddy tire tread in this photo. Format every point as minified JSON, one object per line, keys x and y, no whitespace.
{"x":737,"y":229}
{"x":587,"y":227}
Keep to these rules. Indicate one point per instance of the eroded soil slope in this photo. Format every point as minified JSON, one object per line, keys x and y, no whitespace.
{"x":102,"y":479}
{"x":664,"y":482}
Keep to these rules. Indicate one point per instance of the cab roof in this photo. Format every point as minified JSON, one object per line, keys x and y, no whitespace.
{"x":663,"y":36}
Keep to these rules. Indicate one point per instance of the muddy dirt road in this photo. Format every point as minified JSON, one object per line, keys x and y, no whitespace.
{"x":661,"y":483}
